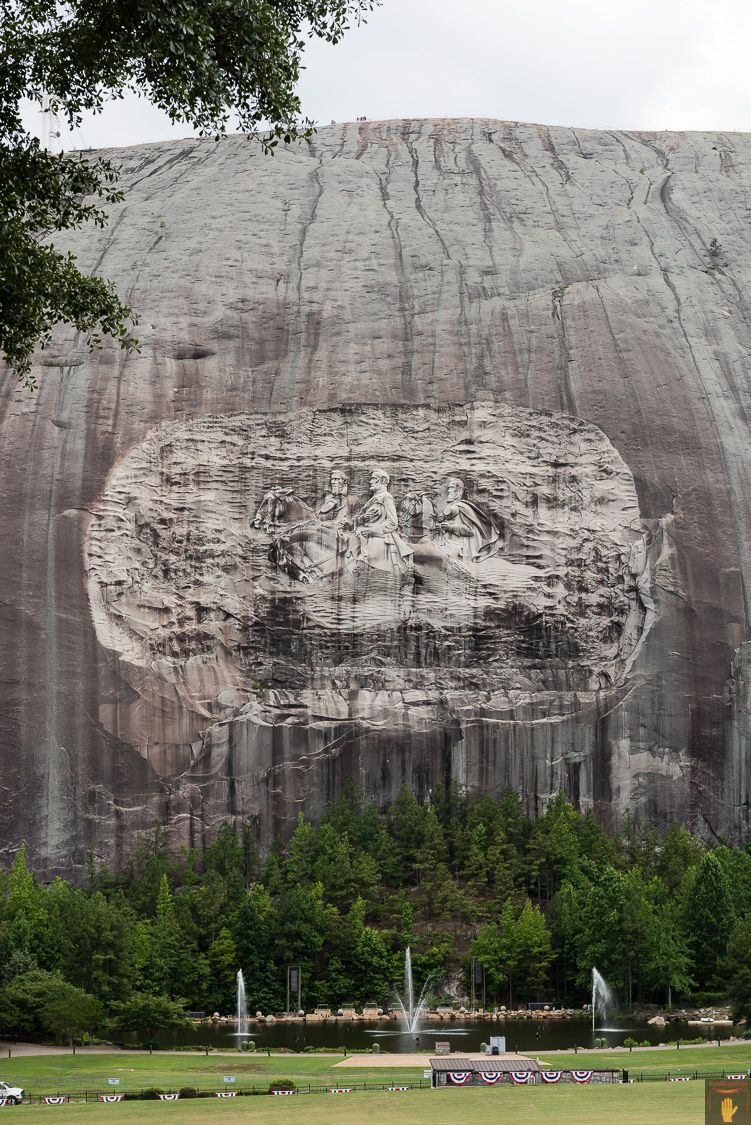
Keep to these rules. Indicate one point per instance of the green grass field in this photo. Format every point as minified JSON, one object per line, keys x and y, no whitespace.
{"x":737,"y":1057}
{"x":654,"y":1103}
{"x":65,"y":1073}
{"x":53,"y":1073}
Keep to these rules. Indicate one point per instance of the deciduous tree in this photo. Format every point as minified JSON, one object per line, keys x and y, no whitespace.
{"x":198,"y":60}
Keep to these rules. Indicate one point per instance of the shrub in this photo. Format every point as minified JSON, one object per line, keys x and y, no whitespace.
{"x":150,"y":1045}
{"x":283,"y":1084}
{"x":645,"y":1043}
{"x":188,"y":1092}
{"x":629,"y":1042}
{"x":376,"y":1048}
{"x":251,"y":1045}
{"x":152,"y":1093}
{"x":483,"y":1046}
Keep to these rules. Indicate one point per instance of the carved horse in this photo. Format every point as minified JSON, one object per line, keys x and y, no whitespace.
{"x":310,"y":550}
{"x":281,"y":506}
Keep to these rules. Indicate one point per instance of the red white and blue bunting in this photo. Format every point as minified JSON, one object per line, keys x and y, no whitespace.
{"x":459,"y":1077}
{"x":112,"y":1097}
{"x":342,"y":1090}
{"x":581,"y":1075}
{"x":521,"y":1077}
{"x":737,"y":1077}
{"x":233,"y":1093}
{"x":680,"y":1079}
{"x":393,"y":1089}
{"x":54,"y":1101}
{"x":490,"y":1077}
{"x":277,"y":1092}
{"x":551,"y":1075}
{"x":168,"y":1097}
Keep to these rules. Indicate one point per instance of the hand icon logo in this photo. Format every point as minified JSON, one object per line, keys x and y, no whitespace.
{"x":728,"y":1109}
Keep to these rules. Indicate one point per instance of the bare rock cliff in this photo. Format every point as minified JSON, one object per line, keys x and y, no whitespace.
{"x":433,"y":466}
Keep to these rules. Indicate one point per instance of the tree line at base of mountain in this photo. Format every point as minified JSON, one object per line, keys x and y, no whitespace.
{"x":536,"y":901}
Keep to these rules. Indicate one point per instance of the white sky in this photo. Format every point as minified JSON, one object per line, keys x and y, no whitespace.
{"x":637,"y":64}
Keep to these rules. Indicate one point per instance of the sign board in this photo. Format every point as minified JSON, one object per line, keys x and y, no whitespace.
{"x":427,"y":1074}
{"x":229,"y":1078}
{"x":727,"y":1100}
{"x":294,"y":980}
{"x":113,"y":1081}
{"x":443,"y":1048}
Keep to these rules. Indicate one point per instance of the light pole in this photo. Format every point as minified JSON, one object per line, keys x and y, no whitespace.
{"x":294,"y":984}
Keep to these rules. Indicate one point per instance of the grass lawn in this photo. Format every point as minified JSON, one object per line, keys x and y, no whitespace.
{"x":737,"y":1058}
{"x":663,"y":1103}
{"x":53,"y":1073}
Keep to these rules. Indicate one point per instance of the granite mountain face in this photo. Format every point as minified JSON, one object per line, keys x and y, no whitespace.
{"x":433,"y":466}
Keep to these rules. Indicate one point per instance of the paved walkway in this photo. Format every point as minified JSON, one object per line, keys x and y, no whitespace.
{"x":656,"y":1047}
{"x":403,"y":1061}
{"x":19,"y":1049}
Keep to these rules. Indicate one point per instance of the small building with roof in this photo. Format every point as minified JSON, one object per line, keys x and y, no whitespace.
{"x":515,"y":1070}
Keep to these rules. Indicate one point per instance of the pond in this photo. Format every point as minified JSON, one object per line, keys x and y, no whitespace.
{"x":526,"y":1035}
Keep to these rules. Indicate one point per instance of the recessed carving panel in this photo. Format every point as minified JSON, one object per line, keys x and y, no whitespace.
{"x":259,"y":560}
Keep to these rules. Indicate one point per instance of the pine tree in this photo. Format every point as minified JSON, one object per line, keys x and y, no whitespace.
{"x":736,"y":969}
{"x":535,"y":951}
{"x":669,"y":958}
{"x":602,"y":942}
{"x":709,"y":917}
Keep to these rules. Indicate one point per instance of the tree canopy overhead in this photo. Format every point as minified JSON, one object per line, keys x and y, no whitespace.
{"x":198,"y":60}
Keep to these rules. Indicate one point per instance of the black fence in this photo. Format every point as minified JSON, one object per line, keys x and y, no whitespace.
{"x":146,"y":1093}
{"x":149,"y":1093}
{"x":678,"y":1075}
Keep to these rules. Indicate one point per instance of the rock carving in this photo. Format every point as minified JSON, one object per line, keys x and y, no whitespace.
{"x":525,"y":602}
{"x":378,"y":539}
{"x":417,"y":513}
{"x":371,"y":534}
{"x":337,"y":505}
{"x":464,"y":529}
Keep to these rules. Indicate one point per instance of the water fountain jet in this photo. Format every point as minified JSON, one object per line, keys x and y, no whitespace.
{"x":600,"y":988}
{"x":242,"y":1006}
{"x":411,"y":1012}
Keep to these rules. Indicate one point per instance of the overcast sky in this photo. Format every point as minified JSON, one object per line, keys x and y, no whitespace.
{"x":643,"y":64}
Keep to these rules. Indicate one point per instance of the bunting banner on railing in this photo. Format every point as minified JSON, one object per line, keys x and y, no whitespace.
{"x":520,"y":1077}
{"x":681,"y":1079}
{"x":286,"y":1091}
{"x":54,"y":1101}
{"x":581,"y":1075}
{"x":490,"y":1077}
{"x":233,"y":1093}
{"x":168,"y":1097}
{"x":342,"y":1090}
{"x":112,"y":1097}
{"x":551,"y":1075}
{"x":459,"y":1077}
{"x":393,"y":1089}
{"x":4,"y":1101}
